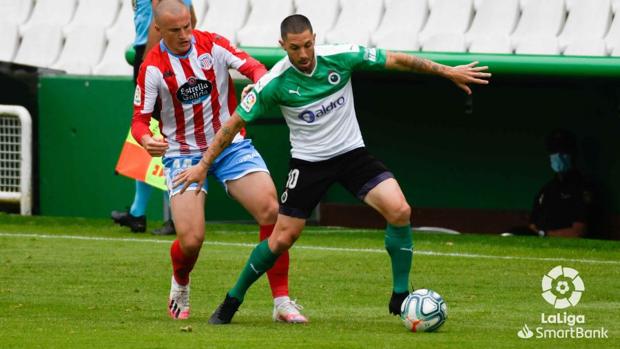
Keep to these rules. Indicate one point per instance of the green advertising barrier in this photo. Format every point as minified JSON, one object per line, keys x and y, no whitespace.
{"x":447,"y":150}
{"x":83,"y":125}
{"x":507,"y":64}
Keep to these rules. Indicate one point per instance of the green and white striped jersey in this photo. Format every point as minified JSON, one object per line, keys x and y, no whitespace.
{"x":318,"y":107}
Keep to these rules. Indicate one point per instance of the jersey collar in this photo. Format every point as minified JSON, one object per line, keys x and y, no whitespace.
{"x":316,"y":63}
{"x":163,"y":48}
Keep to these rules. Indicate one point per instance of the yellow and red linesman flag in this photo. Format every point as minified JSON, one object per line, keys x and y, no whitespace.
{"x":135,"y":162}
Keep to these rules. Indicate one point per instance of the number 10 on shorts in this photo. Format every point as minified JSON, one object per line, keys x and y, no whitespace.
{"x":293,"y":175}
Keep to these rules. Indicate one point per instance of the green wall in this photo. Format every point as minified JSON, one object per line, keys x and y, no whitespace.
{"x":447,"y":151}
{"x":83,"y":124}
{"x":486,"y":152}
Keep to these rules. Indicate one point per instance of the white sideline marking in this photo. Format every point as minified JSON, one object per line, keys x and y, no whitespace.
{"x":318,"y":248}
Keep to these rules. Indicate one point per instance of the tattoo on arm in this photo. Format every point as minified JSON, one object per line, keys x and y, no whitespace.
{"x":422,"y":65}
{"x":223,"y":138}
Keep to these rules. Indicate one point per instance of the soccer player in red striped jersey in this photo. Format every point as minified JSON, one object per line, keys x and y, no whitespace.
{"x":186,"y":78}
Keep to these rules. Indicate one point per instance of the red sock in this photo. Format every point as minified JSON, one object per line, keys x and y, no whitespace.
{"x":278,"y":274}
{"x":181,"y":264}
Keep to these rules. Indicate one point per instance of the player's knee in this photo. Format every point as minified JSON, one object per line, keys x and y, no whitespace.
{"x":268,"y":212}
{"x":192,"y":243}
{"x":190,"y":238}
{"x":400,"y":214}
{"x":283,"y":241}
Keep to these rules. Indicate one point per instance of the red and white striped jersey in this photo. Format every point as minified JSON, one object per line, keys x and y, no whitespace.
{"x":194,"y":93}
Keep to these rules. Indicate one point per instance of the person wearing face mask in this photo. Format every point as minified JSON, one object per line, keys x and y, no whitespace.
{"x":561,"y":208}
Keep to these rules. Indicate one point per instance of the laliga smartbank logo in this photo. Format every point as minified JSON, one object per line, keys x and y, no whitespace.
{"x":562,"y":287}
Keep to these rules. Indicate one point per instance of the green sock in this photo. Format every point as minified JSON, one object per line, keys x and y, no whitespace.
{"x":261,"y":260}
{"x":399,"y":244}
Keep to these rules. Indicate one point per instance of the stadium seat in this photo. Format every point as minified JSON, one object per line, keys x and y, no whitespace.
{"x":123,"y":26}
{"x":494,"y":18}
{"x":41,"y":44}
{"x":401,"y":23}
{"x":612,"y":39}
{"x":57,"y":12}
{"x":358,"y":19}
{"x":225,"y":17}
{"x":447,"y":16}
{"x":15,"y":11}
{"x":113,"y":61}
{"x":586,"y":47}
{"x":200,"y":8}
{"x":120,"y":36}
{"x":445,"y":42}
{"x":263,"y":25}
{"x":83,"y":49}
{"x":491,"y":44}
{"x":586,"y":20}
{"x":94,"y":12}
{"x":539,"y":46}
{"x":322,"y":15}
{"x":540,"y":19}
{"x":8,"y":40}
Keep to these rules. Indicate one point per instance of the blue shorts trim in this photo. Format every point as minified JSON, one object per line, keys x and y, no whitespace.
{"x":371,"y":184}
{"x":236,"y":161}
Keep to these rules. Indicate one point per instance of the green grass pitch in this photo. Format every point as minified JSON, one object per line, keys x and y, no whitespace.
{"x":81,"y":283}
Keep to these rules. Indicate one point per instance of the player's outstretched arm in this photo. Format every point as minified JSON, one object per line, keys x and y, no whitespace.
{"x":461,"y":75}
{"x":223,"y":138}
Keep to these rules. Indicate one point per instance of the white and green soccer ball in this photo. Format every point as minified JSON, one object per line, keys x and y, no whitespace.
{"x":423,"y":311}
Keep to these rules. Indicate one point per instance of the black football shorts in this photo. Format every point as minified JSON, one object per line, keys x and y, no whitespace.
{"x":357,"y":171}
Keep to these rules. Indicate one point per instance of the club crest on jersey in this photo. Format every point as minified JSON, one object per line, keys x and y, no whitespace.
{"x":333,"y":78}
{"x":194,"y":91}
{"x":248,"y":102}
{"x":206,"y":61}
{"x":310,"y":116}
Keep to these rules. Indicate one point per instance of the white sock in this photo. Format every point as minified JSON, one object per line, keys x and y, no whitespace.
{"x":279,"y":300}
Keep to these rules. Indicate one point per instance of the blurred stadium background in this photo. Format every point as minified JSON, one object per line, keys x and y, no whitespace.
{"x":467,"y":163}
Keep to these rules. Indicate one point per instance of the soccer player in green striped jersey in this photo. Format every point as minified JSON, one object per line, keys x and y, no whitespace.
{"x":312,"y":87}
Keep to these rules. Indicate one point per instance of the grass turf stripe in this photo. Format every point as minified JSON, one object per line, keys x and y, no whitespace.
{"x":317,"y":248}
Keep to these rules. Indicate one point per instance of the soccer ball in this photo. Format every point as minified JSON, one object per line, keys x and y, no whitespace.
{"x":423,"y":311}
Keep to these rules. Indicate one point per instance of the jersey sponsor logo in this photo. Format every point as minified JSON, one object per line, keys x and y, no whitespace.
{"x":194,"y":91}
{"x":206,"y":61}
{"x":249,"y":101}
{"x":333,"y":78}
{"x":310,"y":116}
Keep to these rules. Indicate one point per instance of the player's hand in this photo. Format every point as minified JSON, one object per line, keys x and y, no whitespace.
{"x":155,"y":146}
{"x":246,"y":90}
{"x":463,"y":75}
{"x":194,"y":174}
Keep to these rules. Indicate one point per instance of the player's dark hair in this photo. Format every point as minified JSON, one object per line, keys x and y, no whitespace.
{"x":294,"y":24}
{"x":561,"y":141}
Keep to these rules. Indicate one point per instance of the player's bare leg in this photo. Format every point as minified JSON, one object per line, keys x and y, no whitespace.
{"x":388,"y":199}
{"x":257,"y":194}
{"x":188,"y":215}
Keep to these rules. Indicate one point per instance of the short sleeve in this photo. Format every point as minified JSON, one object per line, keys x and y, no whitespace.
{"x":370,"y":58}
{"x":256,"y":103}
